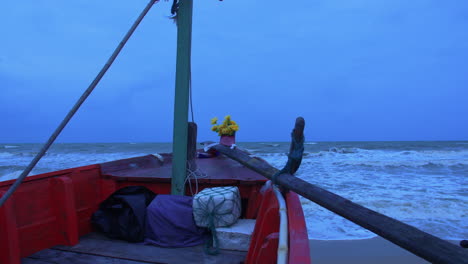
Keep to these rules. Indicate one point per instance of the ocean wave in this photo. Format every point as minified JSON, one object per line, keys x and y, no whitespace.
{"x":10,"y":175}
{"x":344,"y":150}
{"x":6,"y":155}
{"x":384,"y":159}
{"x":10,"y":146}
{"x":15,"y":171}
{"x":398,"y":168}
{"x":437,"y":216}
{"x":407,"y":153}
{"x":10,"y":167}
{"x":429,"y":165}
{"x":270,"y":144}
{"x":463,"y":153}
{"x":58,"y":161}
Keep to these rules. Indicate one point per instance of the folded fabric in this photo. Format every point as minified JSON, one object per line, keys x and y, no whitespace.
{"x":170,"y":223}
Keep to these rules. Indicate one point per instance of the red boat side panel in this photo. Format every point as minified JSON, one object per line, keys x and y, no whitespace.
{"x":268,"y":252}
{"x":36,"y":222}
{"x":5,"y":184}
{"x":86,"y":187}
{"x":44,"y":212}
{"x":266,"y":224}
{"x":108,"y":186}
{"x":263,"y":246}
{"x":254,"y":204}
{"x":34,"y":237}
{"x":299,"y":252}
{"x":9,"y":249}
{"x":65,"y":208}
{"x":32,"y":203}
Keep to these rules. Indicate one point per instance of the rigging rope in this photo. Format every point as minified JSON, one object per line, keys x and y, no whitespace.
{"x":77,"y":105}
{"x":190,"y":90}
{"x":190,"y":77}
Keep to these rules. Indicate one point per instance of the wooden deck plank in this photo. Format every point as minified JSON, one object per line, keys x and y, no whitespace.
{"x":97,"y":245}
{"x":49,"y":256}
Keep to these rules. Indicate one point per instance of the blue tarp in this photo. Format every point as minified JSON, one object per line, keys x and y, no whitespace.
{"x":170,"y":223}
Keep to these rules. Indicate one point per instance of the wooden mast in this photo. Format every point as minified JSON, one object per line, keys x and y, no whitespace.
{"x":179,"y":149}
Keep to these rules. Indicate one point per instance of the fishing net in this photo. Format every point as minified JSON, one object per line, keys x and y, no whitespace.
{"x":216,"y":207}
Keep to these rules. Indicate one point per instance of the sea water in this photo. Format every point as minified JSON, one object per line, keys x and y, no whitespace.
{"x":424,"y":184}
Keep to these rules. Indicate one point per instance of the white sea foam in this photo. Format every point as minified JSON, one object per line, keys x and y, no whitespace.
{"x":270,"y":144}
{"x":10,"y":146}
{"x":421,"y":188}
{"x":54,"y":161}
{"x":10,"y":175}
{"x":4,"y":155}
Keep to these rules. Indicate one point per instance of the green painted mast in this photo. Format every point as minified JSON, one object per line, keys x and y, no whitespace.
{"x":184,"y":43}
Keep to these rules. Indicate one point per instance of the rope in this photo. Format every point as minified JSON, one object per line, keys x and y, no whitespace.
{"x":294,"y":158}
{"x":212,"y":245}
{"x":190,"y":77}
{"x":190,"y":90}
{"x":77,"y":105}
{"x":196,"y":174}
{"x":174,"y":8}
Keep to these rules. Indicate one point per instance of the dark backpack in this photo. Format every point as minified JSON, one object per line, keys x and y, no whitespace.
{"x":123,"y":214}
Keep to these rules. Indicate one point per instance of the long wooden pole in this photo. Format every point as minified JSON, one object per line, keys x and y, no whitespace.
{"x":420,"y":243}
{"x":179,"y":147}
{"x":77,"y":105}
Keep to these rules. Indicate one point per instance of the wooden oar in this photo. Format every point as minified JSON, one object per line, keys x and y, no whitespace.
{"x":418,"y":242}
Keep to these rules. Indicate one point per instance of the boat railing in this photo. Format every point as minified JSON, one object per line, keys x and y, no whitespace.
{"x":283,"y":228}
{"x":280,"y":234}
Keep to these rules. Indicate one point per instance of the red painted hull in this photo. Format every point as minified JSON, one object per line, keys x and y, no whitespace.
{"x":55,"y":208}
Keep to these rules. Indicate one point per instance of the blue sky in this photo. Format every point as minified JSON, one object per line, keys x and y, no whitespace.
{"x":355,"y":70}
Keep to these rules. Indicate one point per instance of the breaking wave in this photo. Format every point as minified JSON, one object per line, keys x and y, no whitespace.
{"x":10,"y":146}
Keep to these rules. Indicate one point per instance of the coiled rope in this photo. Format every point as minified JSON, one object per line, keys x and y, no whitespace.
{"x":194,"y":172}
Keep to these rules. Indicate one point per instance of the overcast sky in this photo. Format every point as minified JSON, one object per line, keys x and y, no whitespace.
{"x":355,"y":69}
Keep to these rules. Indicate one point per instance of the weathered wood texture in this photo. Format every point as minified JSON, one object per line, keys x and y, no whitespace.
{"x":98,"y":249}
{"x":192,"y":141}
{"x":219,"y":170}
{"x":420,"y":243}
{"x":298,"y":135}
{"x":53,"y":256}
{"x":192,"y":148}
